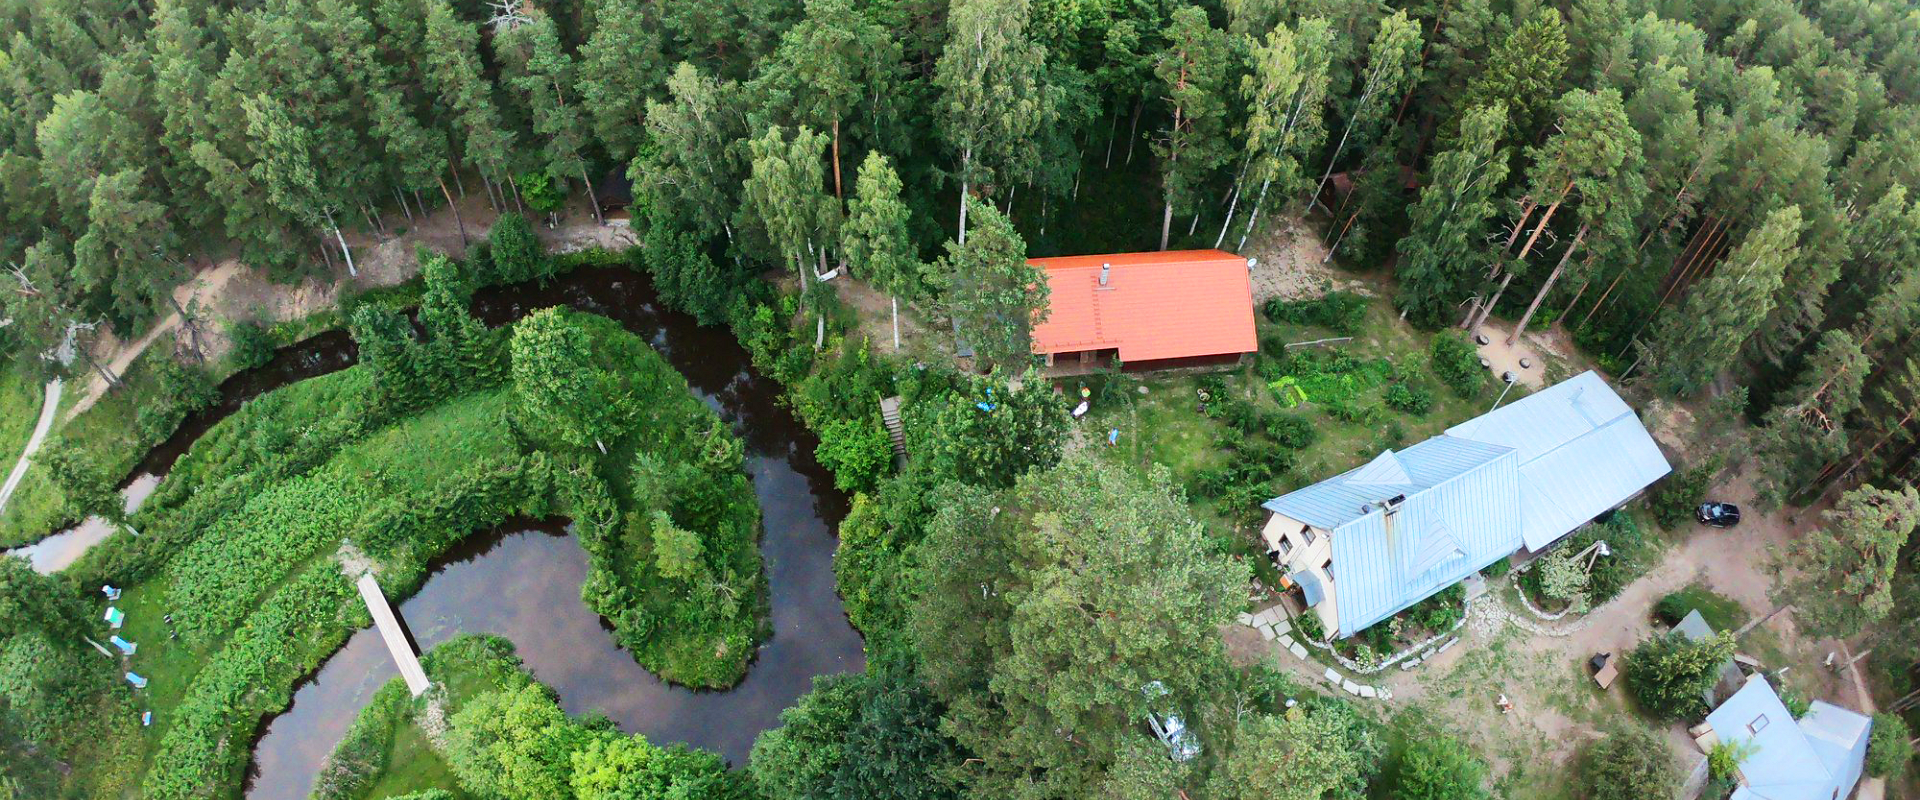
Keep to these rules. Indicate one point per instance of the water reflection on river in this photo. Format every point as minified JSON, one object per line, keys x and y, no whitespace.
{"x":55,"y":552}
{"x":523,"y":581}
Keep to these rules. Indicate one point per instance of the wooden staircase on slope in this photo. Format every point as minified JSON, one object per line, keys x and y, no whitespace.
{"x":890,"y":415}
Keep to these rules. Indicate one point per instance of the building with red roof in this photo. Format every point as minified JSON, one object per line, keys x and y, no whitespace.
{"x":1178,"y":308}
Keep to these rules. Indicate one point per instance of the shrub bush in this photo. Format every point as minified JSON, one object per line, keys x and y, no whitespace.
{"x":1675,"y":497}
{"x":684,"y":274}
{"x":858,"y":452}
{"x":251,"y":344}
{"x":1410,"y":399}
{"x":1669,"y":674}
{"x":1632,"y":553}
{"x":361,"y":756}
{"x":1290,"y":430}
{"x":1342,"y":312}
{"x":514,"y":253}
{"x":1456,"y":364}
{"x":1629,"y":764}
{"x":1562,"y":579}
{"x":1310,"y":627}
{"x":1434,"y":766}
{"x":1889,"y":748}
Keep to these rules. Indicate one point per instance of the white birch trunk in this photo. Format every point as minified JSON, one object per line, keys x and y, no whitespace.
{"x":344,"y":250}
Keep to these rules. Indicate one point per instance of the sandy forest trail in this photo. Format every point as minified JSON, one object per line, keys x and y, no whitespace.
{"x":232,"y":292}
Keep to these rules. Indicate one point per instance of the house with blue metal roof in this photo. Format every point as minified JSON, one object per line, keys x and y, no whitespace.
{"x":1817,"y":757}
{"x":1365,"y":544}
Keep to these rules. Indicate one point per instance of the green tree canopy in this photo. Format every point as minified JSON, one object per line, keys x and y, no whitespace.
{"x":1632,"y":763}
{"x":1849,"y":561}
{"x":994,"y":100}
{"x":1670,"y":674}
{"x":993,"y":295}
{"x":1445,"y":251}
{"x":1691,"y":343}
{"x":1048,"y":607}
{"x":1302,"y":753}
{"x":561,"y":387}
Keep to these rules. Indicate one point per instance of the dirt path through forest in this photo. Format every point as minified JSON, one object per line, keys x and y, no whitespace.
{"x":234,"y":292}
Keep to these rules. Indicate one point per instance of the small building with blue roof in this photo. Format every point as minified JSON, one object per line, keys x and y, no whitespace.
{"x":1365,"y":544}
{"x":1817,"y":757}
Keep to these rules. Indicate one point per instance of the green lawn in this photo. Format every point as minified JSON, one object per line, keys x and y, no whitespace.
{"x":1722,"y":613}
{"x":20,"y":396}
{"x":1349,"y":419}
{"x":108,"y":432}
{"x":412,"y":766}
{"x":406,"y":458}
{"x":239,"y":548}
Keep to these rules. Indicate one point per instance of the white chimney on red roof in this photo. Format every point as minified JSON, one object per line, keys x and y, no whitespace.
{"x":1104,"y":269}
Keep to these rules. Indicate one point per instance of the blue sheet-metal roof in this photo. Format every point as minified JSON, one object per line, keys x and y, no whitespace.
{"x":1525,"y":474}
{"x":1337,"y":501}
{"x":1581,"y":449}
{"x":1817,"y":757}
{"x":1384,"y":562}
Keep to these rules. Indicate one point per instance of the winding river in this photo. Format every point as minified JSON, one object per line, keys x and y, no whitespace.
{"x":522,"y":580}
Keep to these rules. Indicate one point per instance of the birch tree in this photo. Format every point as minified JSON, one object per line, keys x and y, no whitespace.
{"x":876,"y":239}
{"x":1286,"y":95}
{"x":285,"y":166}
{"x":1393,"y":64}
{"x":1445,"y":249}
{"x":993,"y":96}
{"x":833,"y":68}
{"x":785,"y":192}
{"x":692,"y":170}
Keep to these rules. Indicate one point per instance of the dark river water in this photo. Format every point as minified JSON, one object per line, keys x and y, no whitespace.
{"x":522,"y":580}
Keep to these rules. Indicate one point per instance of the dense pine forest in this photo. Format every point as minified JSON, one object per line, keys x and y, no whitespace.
{"x":1717,"y":202}
{"x":1689,"y":187}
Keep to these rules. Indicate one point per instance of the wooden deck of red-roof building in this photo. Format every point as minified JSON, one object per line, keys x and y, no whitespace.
{"x":1180,"y":308}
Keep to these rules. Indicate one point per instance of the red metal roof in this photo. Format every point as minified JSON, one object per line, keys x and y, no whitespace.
{"x":1174,"y":304}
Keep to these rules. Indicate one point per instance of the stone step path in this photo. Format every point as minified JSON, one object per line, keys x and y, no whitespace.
{"x":1274,"y":626}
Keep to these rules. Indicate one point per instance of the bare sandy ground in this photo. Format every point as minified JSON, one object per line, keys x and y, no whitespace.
{"x":1292,"y":264}
{"x":1556,"y":706}
{"x":1540,"y":347}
